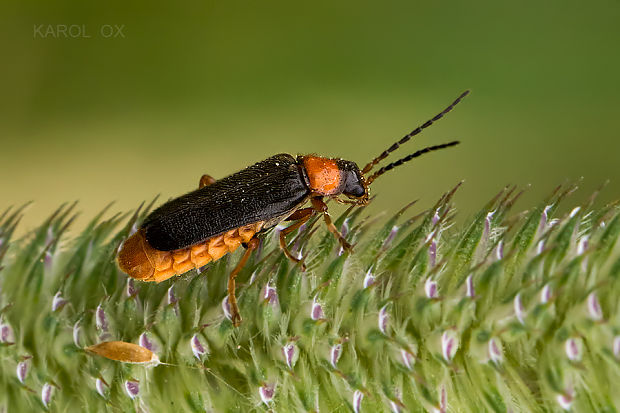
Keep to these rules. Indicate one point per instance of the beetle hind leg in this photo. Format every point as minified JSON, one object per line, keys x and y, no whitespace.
{"x":232,"y":298}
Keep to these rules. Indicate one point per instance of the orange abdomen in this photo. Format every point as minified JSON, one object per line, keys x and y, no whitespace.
{"x":141,"y":261}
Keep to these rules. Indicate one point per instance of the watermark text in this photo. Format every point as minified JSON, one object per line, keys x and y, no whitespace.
{"x":78,"y":31}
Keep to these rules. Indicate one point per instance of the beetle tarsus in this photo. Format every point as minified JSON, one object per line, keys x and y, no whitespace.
{"x":232,"y":298}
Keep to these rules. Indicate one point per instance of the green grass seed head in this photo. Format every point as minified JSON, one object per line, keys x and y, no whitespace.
{"x":510,"y":311}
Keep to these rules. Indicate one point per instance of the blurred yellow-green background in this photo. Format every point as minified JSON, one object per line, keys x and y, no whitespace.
{"x":142,"y":98}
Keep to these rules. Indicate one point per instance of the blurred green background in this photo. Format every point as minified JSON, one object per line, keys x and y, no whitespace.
{"x":187,"y":88}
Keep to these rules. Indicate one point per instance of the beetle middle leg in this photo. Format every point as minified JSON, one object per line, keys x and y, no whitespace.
{"x":321,"y":207}
{"x":205,"y":180}
{"x":252,"y":244}
{"x":301,"y":216}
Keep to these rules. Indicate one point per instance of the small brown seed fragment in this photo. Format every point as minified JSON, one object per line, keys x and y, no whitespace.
{"x":124,"y":352}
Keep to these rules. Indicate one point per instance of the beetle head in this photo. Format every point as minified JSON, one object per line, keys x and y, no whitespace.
{"x":353,"y":184}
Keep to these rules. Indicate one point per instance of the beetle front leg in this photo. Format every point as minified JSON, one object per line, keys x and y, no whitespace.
{"x":205,"y":180}
{"x":301,"y":216}
{"x":252,"y":244}
{"x":320,"y":206}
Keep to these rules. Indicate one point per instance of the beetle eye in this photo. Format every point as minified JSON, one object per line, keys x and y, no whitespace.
{"x":353,"y":185}
{"x":357,"y":191}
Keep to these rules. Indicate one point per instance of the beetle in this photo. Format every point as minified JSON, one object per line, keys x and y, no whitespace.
{"x":206,"y":224}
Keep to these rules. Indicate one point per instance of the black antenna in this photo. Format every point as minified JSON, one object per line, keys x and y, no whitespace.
{"x":407,"y":159}
{"x":411,"y":134}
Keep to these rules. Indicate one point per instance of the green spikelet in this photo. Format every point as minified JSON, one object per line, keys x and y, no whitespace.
{"x":515,"y":312}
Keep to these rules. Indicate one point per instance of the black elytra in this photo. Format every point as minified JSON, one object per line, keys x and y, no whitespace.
{"x":264,"y":191}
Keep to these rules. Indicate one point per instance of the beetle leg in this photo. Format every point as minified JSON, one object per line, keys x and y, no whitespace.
{"x":320,"y":206}
{"x":206,"y":180}
{"x":301,"y":216}
{"x":232,"y":298}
